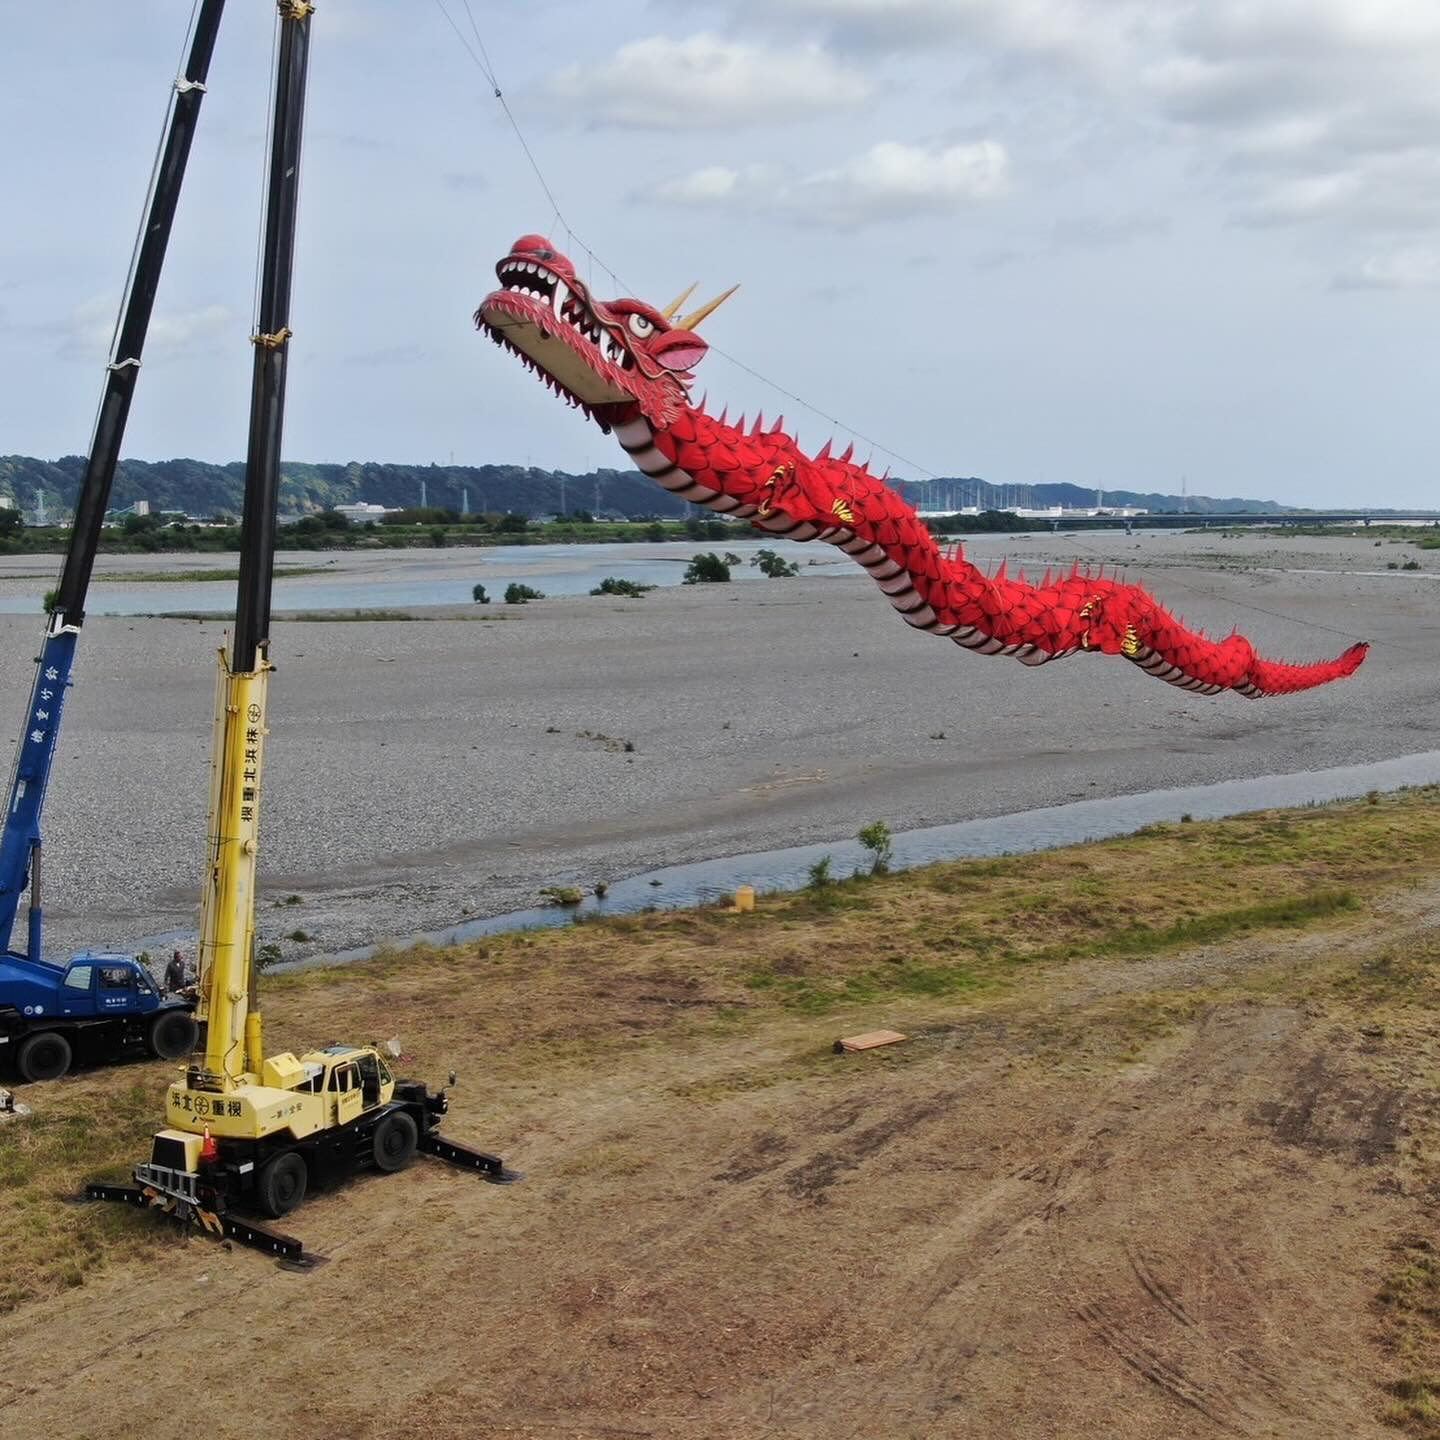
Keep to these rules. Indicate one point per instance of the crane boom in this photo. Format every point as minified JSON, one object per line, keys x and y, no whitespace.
{"x":227,"y":910}
{"x":20,"y":840}
{"x":243,"y":1128}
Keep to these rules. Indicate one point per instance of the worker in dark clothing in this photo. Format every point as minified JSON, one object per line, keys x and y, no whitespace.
{"x":175,"y":974}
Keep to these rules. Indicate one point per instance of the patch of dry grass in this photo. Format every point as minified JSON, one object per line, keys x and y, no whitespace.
{"x":944,"y":947}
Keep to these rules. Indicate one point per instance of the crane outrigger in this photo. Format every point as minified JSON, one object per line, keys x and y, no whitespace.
{"x":243,"y":1129}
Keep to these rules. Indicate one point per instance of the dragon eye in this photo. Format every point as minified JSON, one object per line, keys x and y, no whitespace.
{"x":640,"y":326}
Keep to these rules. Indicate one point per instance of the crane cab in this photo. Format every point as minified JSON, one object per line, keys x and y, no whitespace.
{"x":259,"y":1143}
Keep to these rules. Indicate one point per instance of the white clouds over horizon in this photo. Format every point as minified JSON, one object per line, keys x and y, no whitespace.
{"x":886,"y":182}
{"x":87,"y":333}
{"x":1196,"y":236}
{"x":706,"y":82}
{"x":1299,"y":113}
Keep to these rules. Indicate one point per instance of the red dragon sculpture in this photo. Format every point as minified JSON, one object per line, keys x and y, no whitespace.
{"x":628,"y":366}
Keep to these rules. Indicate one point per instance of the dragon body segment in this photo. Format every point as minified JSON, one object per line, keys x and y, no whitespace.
{"x":628,"y":366}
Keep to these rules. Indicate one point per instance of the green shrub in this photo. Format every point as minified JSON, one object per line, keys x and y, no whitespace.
{"x":878,"y":840}
{"x":631,"y":589}
{"x":519,"y":594}
{"x":479,"y":596}
{"x":706,"y":568}
{"x":773,"y":566}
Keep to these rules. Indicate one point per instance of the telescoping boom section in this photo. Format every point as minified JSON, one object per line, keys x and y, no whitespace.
{"x":20,"y":839}
{"x":99,"y":1006}
{"x":244,"y":1131}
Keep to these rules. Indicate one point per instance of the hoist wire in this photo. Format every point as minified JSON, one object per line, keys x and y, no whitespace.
{"x":482,"y":62}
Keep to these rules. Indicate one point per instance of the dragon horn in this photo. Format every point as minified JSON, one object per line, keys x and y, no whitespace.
{"x":673,"y":308}
{"x":693,"y":319}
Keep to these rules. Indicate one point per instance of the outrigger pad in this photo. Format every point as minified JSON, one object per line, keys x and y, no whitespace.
{"x":492,"y":1167}
{"x":286,"y":1248}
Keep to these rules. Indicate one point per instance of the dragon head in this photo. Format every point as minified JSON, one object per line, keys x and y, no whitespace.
{"x":611,"y":358}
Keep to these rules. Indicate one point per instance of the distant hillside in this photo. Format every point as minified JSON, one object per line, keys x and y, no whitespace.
{"x":200,"y":488}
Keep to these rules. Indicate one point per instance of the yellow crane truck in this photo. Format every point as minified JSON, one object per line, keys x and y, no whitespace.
{"x":243,"y":1130}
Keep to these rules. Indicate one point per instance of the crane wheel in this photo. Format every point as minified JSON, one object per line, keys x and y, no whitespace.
{"x":45,"y":1056}
{"x":171,"y":1035}
{"x":395,"y":1140}
{"x":282,"y":1184}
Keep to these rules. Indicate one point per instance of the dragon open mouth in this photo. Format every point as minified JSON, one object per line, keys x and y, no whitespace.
{"x":607,"y":357}
{"x":546,"y":319}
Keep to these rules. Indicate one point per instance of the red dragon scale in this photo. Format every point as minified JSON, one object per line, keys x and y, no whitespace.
{"x":628,"y":366}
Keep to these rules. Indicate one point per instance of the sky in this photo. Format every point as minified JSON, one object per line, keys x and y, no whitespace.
{"x":1134,"y":244}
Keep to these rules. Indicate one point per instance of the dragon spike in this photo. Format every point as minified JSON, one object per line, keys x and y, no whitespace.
{"x":824,"y":453}
{"x":849,"y":451}
{"x":725,"y":416}
{"x":759,"y":423}
{"x":1000,"y":573}
{"x":703,"y":399}
{"x":673,"y":308}
{"x":778,"y":426}
{"x":693,"y":319}
{"x":740,"y":423}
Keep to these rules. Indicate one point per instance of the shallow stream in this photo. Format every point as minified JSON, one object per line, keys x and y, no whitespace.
{"x":678,"y":887}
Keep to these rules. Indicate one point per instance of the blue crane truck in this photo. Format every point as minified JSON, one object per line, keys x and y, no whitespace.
{"x":96,"y":1009}
{"x":98,"y":1005}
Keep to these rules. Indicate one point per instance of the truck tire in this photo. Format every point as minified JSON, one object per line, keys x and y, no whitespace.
{"x":45,"y":1056}
{"x":282,"y":1183}
{"x":171,"y":1035}
{"x":395,"y":1139}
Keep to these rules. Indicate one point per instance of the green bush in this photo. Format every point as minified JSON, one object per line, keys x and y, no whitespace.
{"x":706,"y":569}
{"x":773,"y":566}
{"x":479,"y":596}
{"x":878,"y":840}
{"x":631,"y":589}
{"x":518,"y":594}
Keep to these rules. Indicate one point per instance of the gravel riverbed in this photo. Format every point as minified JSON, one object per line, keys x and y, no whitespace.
{"x":422,"y":771}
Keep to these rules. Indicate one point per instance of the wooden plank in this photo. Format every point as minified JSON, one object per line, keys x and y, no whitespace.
{"x":870,"y":1040}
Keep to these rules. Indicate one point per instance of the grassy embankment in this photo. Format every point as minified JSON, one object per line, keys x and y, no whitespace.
{"x":950,"y":946}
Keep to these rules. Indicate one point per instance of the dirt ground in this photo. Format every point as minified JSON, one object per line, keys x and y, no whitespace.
{"x":1133,"y":1197}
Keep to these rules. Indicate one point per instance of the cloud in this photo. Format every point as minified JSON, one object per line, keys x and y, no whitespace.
{"x":1405,"y":269}
{"x":1301,"y":113}
{"x":704,"y":82}
{"x":388,"y":355}
{"x":1097,"y":33}
{"x":88,"y":332}
{"x":889,"y":181}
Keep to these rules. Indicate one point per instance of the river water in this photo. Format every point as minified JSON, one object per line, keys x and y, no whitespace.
{"x":401,"y":579}
{"x":682,"y":886}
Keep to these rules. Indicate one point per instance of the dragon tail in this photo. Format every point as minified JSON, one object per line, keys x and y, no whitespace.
{"x":1273,"y":677}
